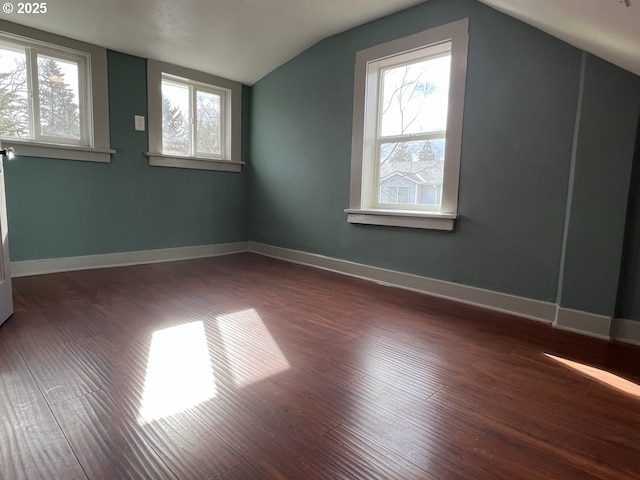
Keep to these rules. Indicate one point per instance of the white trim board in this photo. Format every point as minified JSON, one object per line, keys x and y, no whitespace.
{"x":598,"y":326}
{"x":584,"y":323}
{"x":627,"y":331}
{"x":56,"y":265}
{"x":501,"y":302}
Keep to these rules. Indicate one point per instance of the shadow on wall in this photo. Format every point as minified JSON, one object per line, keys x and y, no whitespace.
{"x":628,"y":304}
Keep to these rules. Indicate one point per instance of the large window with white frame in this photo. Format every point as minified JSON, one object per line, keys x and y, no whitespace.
{"x":194,"y":119}
{"x":408,"y":104}
{"x":53,"y":95}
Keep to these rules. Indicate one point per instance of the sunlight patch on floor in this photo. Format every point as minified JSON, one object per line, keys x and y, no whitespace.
{"x":600,"y":375}
{"x":251,"y":351}
{"x":179,"y":372}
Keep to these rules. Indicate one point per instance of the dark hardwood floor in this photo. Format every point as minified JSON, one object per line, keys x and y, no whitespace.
{"x":245,"y":367}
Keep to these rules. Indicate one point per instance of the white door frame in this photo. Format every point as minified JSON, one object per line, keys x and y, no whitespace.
{"x":6,"y":300}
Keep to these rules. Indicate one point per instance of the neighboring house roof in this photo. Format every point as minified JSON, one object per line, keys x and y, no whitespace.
{"x":422,"y":173}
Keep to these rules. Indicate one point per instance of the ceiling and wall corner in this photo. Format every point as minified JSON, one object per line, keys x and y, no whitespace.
{"x":243,"y":40}
{"x":609,"y":29}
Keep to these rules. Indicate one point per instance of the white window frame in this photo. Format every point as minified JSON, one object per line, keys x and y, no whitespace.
{"x":94,"y":144}
{"x":363,"y":205}
{"x":230,"y":158}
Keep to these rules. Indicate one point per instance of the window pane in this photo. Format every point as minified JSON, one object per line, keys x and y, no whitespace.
{"x":411,"y":172}
{"x":14,"y":105}
{"x":59,"y":95}
{"x":175,"y":119}
{"x":209,"y":129}
{"x":415,"y":97}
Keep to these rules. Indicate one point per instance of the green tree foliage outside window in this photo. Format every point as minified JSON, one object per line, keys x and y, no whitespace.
{"x":58,"y":109}
{"x":14,"y":121}
{"x":55,"y":101}
{"x":175,"y":129}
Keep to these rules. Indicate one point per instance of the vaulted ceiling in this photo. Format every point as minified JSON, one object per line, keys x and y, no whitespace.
{"x":246,"y":39}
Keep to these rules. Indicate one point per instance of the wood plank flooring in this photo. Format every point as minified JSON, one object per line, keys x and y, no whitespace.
{"x":246,"y":367}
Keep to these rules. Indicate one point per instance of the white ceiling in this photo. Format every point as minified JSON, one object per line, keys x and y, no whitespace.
{"x":244,"y":40}
{"x":607,"y":28}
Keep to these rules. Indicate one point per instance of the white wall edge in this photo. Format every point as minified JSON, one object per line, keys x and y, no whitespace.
{"x":523,"y":307}
{"x":627,"y":331}
{"x":87,"y":262}
{"x":597,"y":326}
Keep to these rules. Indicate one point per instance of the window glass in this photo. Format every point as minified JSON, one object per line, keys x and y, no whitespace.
{"x":415,"y":97}
{"x":416,"y":163}
{"x":14,"y":88}
{"x":59,"y":98}
{"x":209,"y":126}
{"x":175,"y":118}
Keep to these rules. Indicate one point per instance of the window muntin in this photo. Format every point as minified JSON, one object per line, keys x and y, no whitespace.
{"x":43,"y":93}
{"x":194,"y":119}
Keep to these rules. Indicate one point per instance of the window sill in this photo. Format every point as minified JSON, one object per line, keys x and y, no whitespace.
{"x":62,"y":152}
{"x":197,"y":163}
{"x":403,"y":218}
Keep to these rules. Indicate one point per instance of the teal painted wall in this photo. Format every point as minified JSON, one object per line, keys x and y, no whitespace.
{"x":61,"y":208}
{"x":600,"y":189}
{"x":629,"y":295}
{"x":520,"y":108}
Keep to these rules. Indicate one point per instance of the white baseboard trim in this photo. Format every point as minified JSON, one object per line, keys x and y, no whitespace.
{"x":501,"y":302}
{"x":598,"y":326}
{"x":87,"y":262}
{"x":585,"y":323}
{"x":627,"y":331}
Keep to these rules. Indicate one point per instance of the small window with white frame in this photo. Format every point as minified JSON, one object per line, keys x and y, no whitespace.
{"x":53,"y":95}
{"x":194,"y":119}
{"x":43,"y":94}
{"x":408,"y":104}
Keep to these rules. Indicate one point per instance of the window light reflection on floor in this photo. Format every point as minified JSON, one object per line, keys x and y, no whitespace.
{"x":252,"y":352}
{"x":179,"y":372}
{"x":600,"y":375}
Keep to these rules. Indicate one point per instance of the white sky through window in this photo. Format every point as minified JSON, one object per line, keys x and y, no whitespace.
{"x":178,"y":95}
{"x":421,"y":106}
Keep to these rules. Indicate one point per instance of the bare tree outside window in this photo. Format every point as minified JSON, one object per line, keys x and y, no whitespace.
{"x":191,"y":119}
{"x":413,"y":122}
{"x":175,"y":130}
{"x":208,"y":127}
